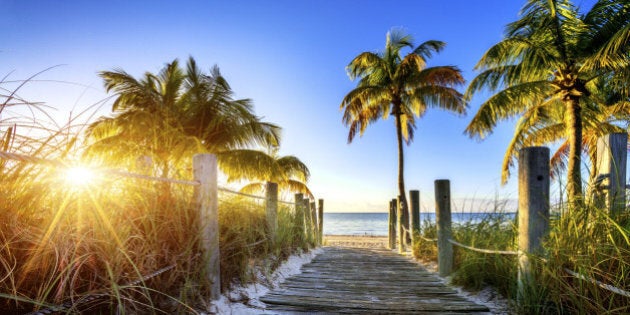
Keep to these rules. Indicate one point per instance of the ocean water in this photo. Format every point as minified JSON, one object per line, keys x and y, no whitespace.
{"x":357,"y":223}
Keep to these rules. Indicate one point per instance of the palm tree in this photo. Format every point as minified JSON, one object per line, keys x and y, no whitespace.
{"x":169,"y":115}
{"x":401,"y":86}
{"x":546,"y":124}
{"x":552,"y":57}
{"x":145,"y":120}
{"x":288,"y":172}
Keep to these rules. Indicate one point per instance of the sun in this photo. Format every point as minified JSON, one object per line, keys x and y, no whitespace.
{"x":79,"y":176}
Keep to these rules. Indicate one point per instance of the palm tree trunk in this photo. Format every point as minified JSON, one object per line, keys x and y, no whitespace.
{"x":401,"y":179}
{"x":574,"y":135}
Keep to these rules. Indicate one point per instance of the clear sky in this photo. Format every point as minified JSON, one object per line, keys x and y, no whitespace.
{"x":290,"y":58}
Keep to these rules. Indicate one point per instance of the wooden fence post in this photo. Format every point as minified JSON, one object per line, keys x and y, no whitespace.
{"x":533,"y":209}
{"x":414,"y":196}
{"x":321,"y":221}
{"x":400,"y":226}
{"x":299,"y":215}
{"x":611,"y":167}
{"x":405,"y":221}
{"x":392,"y":223}
{"x":206,"y":199}
{"x":271,"y":205}
{"x":313,"y":214}
{"x":443,"y":222}
{"x":307,"y":219}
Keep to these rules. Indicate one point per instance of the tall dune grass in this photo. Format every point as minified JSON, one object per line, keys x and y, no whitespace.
{"x":587,"y":241}
{"x":245,"y":243}
{"x":60,"y":242}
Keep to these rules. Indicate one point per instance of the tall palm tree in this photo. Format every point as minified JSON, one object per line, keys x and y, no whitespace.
{"x":552,"y":57}
{"x":401,"y":86}
{"x":175,"y":112}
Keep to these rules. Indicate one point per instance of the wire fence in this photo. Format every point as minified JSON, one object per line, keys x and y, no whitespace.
{"x":289,"y":203}
{"x":598,"y":283}
{"x":59,"y":164}
{"x":481,"y":250}
{"x":428,"y":239}
{"x":238,"y":193}
{"x":602,"y":285}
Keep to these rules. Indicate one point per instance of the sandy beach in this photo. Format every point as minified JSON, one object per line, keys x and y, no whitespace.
{"x":363,"y":241}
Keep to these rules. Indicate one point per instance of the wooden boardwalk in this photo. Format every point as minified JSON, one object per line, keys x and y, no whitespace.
{"x":368,"y":281}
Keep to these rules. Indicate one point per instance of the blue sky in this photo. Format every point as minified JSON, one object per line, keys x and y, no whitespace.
{"x":290,"y":58}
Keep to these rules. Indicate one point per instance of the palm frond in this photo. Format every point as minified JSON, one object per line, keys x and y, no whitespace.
{"x":505,"y":104}
{"x":449,"y":76}
{"x":294,"y":168}
{"x":437,"y":97}
{"x":607,"y":40}
{"x":426,"y":49}
{"x":249,"y":165}
{"x":364,"y":64}
{"x":613,"y":54}
{"x":296,"y":186}
{"x":253,"y":188}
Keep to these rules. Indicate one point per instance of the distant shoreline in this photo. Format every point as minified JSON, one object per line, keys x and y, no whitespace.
{"x":453,"y":212}
{"x":362,"y":241}
{"x":353,"y":235}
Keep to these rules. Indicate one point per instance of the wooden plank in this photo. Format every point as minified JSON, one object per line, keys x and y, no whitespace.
{"x":352,"y":280}
{"x":312,"y":303}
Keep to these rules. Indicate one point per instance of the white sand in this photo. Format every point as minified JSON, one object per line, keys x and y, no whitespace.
{"x":488,"y":296}
{"x":244,"y":299}
{"x":356,"y":241}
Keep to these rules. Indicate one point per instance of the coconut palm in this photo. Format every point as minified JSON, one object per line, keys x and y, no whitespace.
{"x":552,"y":57}
{"x":401,"y":86}
{"x":288,"y":172}
{"x":544,"y":125}
{"x":174,"y":113}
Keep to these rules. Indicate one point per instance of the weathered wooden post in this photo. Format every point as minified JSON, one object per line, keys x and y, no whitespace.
{"x":271,"y":206}
{"x":313,"y":214}
{"x":307,"y":219}
{"x":321,"y":221}
{"x":443,"y":222}
{"x":611,"y":167}
{"x":206,"y":199}
{"x":401,"y":226}
{"x":405,"y":220}
{"x":414,"y":196}
{"x":392,"y":223}
{"x":299,"y":215}
{"x":533,"y":209}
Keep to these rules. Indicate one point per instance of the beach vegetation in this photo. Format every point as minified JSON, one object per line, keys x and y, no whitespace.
{"x":584,"y":244}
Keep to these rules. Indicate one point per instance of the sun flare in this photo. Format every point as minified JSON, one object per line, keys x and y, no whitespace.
{"x":79,"y":176}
